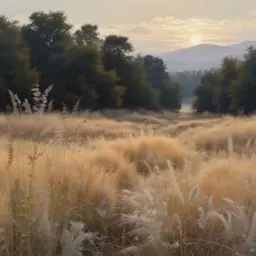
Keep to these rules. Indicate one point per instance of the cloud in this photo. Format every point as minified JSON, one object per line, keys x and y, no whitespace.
{"x":140,"y":30}
{"x":109,"y":30}
{"x":169,"y":33}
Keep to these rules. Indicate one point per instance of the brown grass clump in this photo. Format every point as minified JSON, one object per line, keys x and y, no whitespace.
{"x":240,"y":132}
{"x":70,"y":128}
{"x":144,"y":153}
{"x":205,"y":213}
{"x":97,"y":185}
{"x":181,"y":127}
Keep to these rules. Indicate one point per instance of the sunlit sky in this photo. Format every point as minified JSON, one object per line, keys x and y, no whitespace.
{"x":154,"y":25}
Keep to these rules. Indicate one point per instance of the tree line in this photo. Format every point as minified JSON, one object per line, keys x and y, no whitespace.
{"x":231,"y":89}
{"x":188,"y":81}
{"x":81,"y":66}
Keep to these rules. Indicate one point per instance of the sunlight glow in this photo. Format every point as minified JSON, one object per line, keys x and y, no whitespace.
{"x":195,"y":40}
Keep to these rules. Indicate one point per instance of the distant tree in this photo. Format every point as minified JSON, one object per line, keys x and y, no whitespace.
{"x":48,"y":36}
{"x":206,"y":92}
{"x":229,"y":73}
{"x":118,"y":46}
{"x":15,"y":71}
{"x":138,"y":94}
{"x":116,"y":51}
{"x":246,"y":86}
{"x":81,"y":66}
{"x":171,"y":96}
{"x":188,"y":81}
{"x":87,"y":34}
{"x":80,"y":77}
{"x":158,"y":79}
{"x":116,"y":56}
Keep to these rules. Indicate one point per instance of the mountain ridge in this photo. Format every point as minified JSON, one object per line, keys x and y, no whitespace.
{"x":203,"y":56}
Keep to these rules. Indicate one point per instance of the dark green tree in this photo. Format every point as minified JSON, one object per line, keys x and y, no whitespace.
{"x":87,"y":34}
{"x":81,"y":66}
{"x":245,"y":90}
{"x":48,"y":36}
{"x":171,"y":96}
{"x":116,"y":51}
{"x":229,"y":73}
{"x":157,"y":77}
{"x":80,"y":76}
{"x":159,"y":80}
{"x":206,"y":92}
{"x":15,"y":71}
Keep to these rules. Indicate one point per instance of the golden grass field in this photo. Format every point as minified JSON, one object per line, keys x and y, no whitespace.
{"x":123,"y":183}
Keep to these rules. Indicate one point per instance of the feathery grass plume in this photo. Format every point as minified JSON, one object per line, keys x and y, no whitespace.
{"x":243,"y":227}
{"x":72,"y":239}
{"x":14,"y":102}
{"x":45,"y":230}
{"x":76,"y":106}
{"x":40,"y":99}
{"x":235,"y":209}
{"x":193,"y":195}
{"x":19,"y":103}
{"x":64,"y":108}
{"x":44,"y":99}
{"x":149,"y":217}
{"x":250,"y":240}
{"x":174,"y":186}
{"x":239,"y":228}
{"x":178,"y":226}
{"x":49,"y":106}
{"x":27,"y":107}
{"x":200,"y":215}
{"x":130,"y":250}
{"x":36,"y":93}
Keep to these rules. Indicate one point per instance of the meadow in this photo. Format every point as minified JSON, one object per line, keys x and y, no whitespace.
{"x":127,"y":183}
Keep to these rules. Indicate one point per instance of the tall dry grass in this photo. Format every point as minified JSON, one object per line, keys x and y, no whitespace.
{"x":122,"y":183}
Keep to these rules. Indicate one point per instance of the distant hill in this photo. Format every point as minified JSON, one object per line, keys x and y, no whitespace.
{"x":203,"y":56}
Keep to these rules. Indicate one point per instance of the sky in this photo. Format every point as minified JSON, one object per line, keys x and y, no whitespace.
{"x":153,"y":26}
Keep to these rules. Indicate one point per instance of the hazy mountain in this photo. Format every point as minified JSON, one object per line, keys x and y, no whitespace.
{"x":203,"y":56}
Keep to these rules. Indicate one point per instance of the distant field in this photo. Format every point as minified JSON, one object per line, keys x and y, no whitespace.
{"x":124,"y":183}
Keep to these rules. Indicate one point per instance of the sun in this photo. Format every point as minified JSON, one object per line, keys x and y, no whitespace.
{"x":195,"y":40}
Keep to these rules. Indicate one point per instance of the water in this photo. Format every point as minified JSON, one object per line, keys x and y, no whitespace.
{"x":186,"y":107}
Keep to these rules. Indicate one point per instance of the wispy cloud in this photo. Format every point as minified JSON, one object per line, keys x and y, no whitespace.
{"x":170,"y":33}
{"x":166,"y":33}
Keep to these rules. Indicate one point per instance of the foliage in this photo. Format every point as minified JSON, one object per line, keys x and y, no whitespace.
{"x":87,"y":34}
{"x":188,"y":81}
{"x":230,"y":89}
{"x":205,"y":92}
{"x":15,"y":71}
{"x":97,"y":72}
{"x":246,"y":84}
